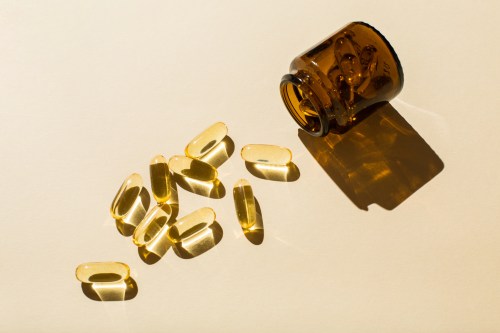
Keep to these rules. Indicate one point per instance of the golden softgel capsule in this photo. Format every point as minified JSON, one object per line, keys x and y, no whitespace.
{"x":106,"y":281}
{"x":126,"y":196}
{"x":151,"y":235}
{"x":191,"y":226}
{"x":130,"y":204}
{"x":188,"y":167}
{"x":206,"y":140}
{"x":160,"y":179}
{"x":244,"y":203}
{"x":152,"y":224}
{"x":102,"y":272}
{"x":266,"y":154}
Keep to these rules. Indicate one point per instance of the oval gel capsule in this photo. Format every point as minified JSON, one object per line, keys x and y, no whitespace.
{"x":348,"y":61}
{"x":307,"y":108}
{"x":160,"y":243}
{"x":102,"y":272}
{"x":126,"y":196}
{"x":152,"y":224}
{"x":206,"y":140}
{"x":160,"y":179}
{"x":188,"y":167}
{"x":244,"y":203}
{"x":191,"y":225}
{"x":266,"y":154}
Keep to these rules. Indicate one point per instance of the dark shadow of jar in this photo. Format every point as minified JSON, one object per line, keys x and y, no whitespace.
{"x":381,"y":160}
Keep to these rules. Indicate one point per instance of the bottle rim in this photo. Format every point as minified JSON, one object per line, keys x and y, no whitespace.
{"x":315,"y":124}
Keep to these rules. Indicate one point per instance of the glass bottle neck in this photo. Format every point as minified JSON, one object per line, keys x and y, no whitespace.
{"x":305,"y":103}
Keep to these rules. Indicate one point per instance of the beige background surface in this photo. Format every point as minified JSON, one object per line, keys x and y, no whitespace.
{"x":91,"y":90}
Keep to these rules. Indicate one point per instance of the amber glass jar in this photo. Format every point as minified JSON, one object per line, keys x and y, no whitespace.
{"x":331,"y":84}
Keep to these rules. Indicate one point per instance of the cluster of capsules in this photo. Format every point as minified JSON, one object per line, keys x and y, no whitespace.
{"x":154,"y":231}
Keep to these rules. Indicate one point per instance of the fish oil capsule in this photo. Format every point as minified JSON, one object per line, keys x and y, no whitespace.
{"x":191,"y":168}
{"x":187,"y":228}
{"x":159,"y":243}
{"x":160,"y":179}
{"x":102,"y":272}
{"x":307,"y":107}
{"x":244,"y":203}
{"x":266,"y":154}
{"x":130,"y":204}
{"x":151,"y":235}
{"x":106,"y":281}
{"x":348,"y":61}
{"x":126,"y":196}
{"x":206,"y":140}
{"x":152,"y":224}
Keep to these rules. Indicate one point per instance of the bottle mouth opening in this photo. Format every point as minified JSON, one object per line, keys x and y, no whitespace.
{"x":302,"y":105}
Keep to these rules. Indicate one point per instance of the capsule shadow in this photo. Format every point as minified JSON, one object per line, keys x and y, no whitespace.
{"x":279,"y":173}
{"x":149,"y":257}
{"x":220,"y":153}
{"x":255,"y":234}
{"x":173,"y":201}
{"x":381,"y":160}
{"x":206,"y":240}
{"x":127,"y":225}
{"x":214,"y":189}
{"x":107,"y":292}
